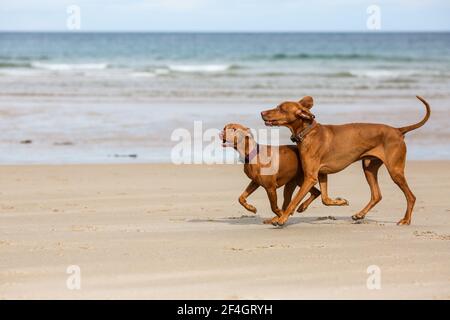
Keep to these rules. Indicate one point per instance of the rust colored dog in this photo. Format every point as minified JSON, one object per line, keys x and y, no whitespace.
{"x":326,"y":149}
{"x":288,"y":171}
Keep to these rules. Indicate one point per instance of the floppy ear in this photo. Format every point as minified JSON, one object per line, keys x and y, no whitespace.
{"x":304,"y":114}
{"x":307,"y":102}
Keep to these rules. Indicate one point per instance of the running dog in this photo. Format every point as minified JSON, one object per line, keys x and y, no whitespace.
{"x":289,"y":171}
{"x":326,"y":149}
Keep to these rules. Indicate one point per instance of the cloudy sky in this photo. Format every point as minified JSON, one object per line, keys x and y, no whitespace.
{"x":225,"y":15}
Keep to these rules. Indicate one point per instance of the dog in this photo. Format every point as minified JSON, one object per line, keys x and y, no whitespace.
{"x":327,"y":149}
{"x":256,"y":157}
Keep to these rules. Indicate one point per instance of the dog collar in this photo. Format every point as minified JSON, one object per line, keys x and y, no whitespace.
{"x":298,"y":138}
{"x":249,"y":157}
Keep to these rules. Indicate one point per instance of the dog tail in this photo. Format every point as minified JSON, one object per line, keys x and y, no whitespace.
{"x":406,"y":129}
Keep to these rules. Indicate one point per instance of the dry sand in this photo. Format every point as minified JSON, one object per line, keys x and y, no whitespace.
{"x":163,"y":231}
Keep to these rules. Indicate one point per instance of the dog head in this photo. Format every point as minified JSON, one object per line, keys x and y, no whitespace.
{"x":234,"y":135}
{"x":289,"y":112}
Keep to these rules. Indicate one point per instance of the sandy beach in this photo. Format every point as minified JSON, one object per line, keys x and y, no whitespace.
{"x":118,"y":179}
{"x":151,"y":231}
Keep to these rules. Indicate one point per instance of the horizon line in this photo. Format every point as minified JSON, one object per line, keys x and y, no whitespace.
{"x":225,"y":31}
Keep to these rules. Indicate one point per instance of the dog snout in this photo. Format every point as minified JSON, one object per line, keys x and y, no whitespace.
{"x":264,"y":113}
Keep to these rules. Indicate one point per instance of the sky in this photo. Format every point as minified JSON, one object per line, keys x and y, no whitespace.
{"x":225,"y":15}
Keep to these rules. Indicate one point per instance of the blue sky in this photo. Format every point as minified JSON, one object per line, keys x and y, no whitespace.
{"x":225,"y":15}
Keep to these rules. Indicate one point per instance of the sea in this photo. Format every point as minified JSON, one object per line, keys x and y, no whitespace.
{"x":118,"y":97}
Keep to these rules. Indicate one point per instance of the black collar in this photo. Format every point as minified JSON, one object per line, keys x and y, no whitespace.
{"x":249,"y":157}
{"x":299,"y":137}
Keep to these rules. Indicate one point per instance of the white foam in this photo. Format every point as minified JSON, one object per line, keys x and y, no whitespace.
{"x":69,"y":66}
{"x":200,"y":68}
{"x":161,"y":71}
{"x":143,"y":74}
{"x":18,"y":72}
{"x":385,"y":74}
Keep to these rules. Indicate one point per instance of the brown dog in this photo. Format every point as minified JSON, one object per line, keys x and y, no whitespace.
{"x":288,"y":172}
{"x":326,"y":149}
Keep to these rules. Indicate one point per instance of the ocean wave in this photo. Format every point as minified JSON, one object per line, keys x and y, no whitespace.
{"x":407,"y":75}
{"x":332,"y":56}
{"x":10,"y":65}
{"x":221,"y":70}
{"x":161,"y":71}
{"x":23,"y":58}
{"x":383,"y":74}
{"x":363,"y":73}
{"x":69,"y":66}
{"x":198,"y":68}
{"x":143,"y":74}
{"x":339,"y":74}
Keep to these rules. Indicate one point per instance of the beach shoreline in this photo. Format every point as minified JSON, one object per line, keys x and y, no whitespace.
{"x":155,"y":231}
{"x":70,"y":132}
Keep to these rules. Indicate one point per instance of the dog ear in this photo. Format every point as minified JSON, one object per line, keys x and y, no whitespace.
{"x":304,"y":114}
{"x":307,"y":102}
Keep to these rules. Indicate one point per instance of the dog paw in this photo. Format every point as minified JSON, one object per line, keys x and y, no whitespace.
{"x":251,"y":208}
{"x":357,"y":217}
{"x":281,"y":221}
{"x":335,"y":202}
{"x":404,"y":222}
{"x":272,"y":221}
{"x":342,"y":202}
{"x":302,"y":208}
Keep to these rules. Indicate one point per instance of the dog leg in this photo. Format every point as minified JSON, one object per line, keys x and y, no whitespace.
{"x":395,"y":163}
{"x":272,"y":194}
{"x":289,"y":190}
{"x":287,"y":193}
{"x":370,"y":167}
{"x":308,"y":183}
{"x":400,"y":180}
{"x":248,"y":191}
{"x":314,"y":194}
{"x":323,"y":182}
